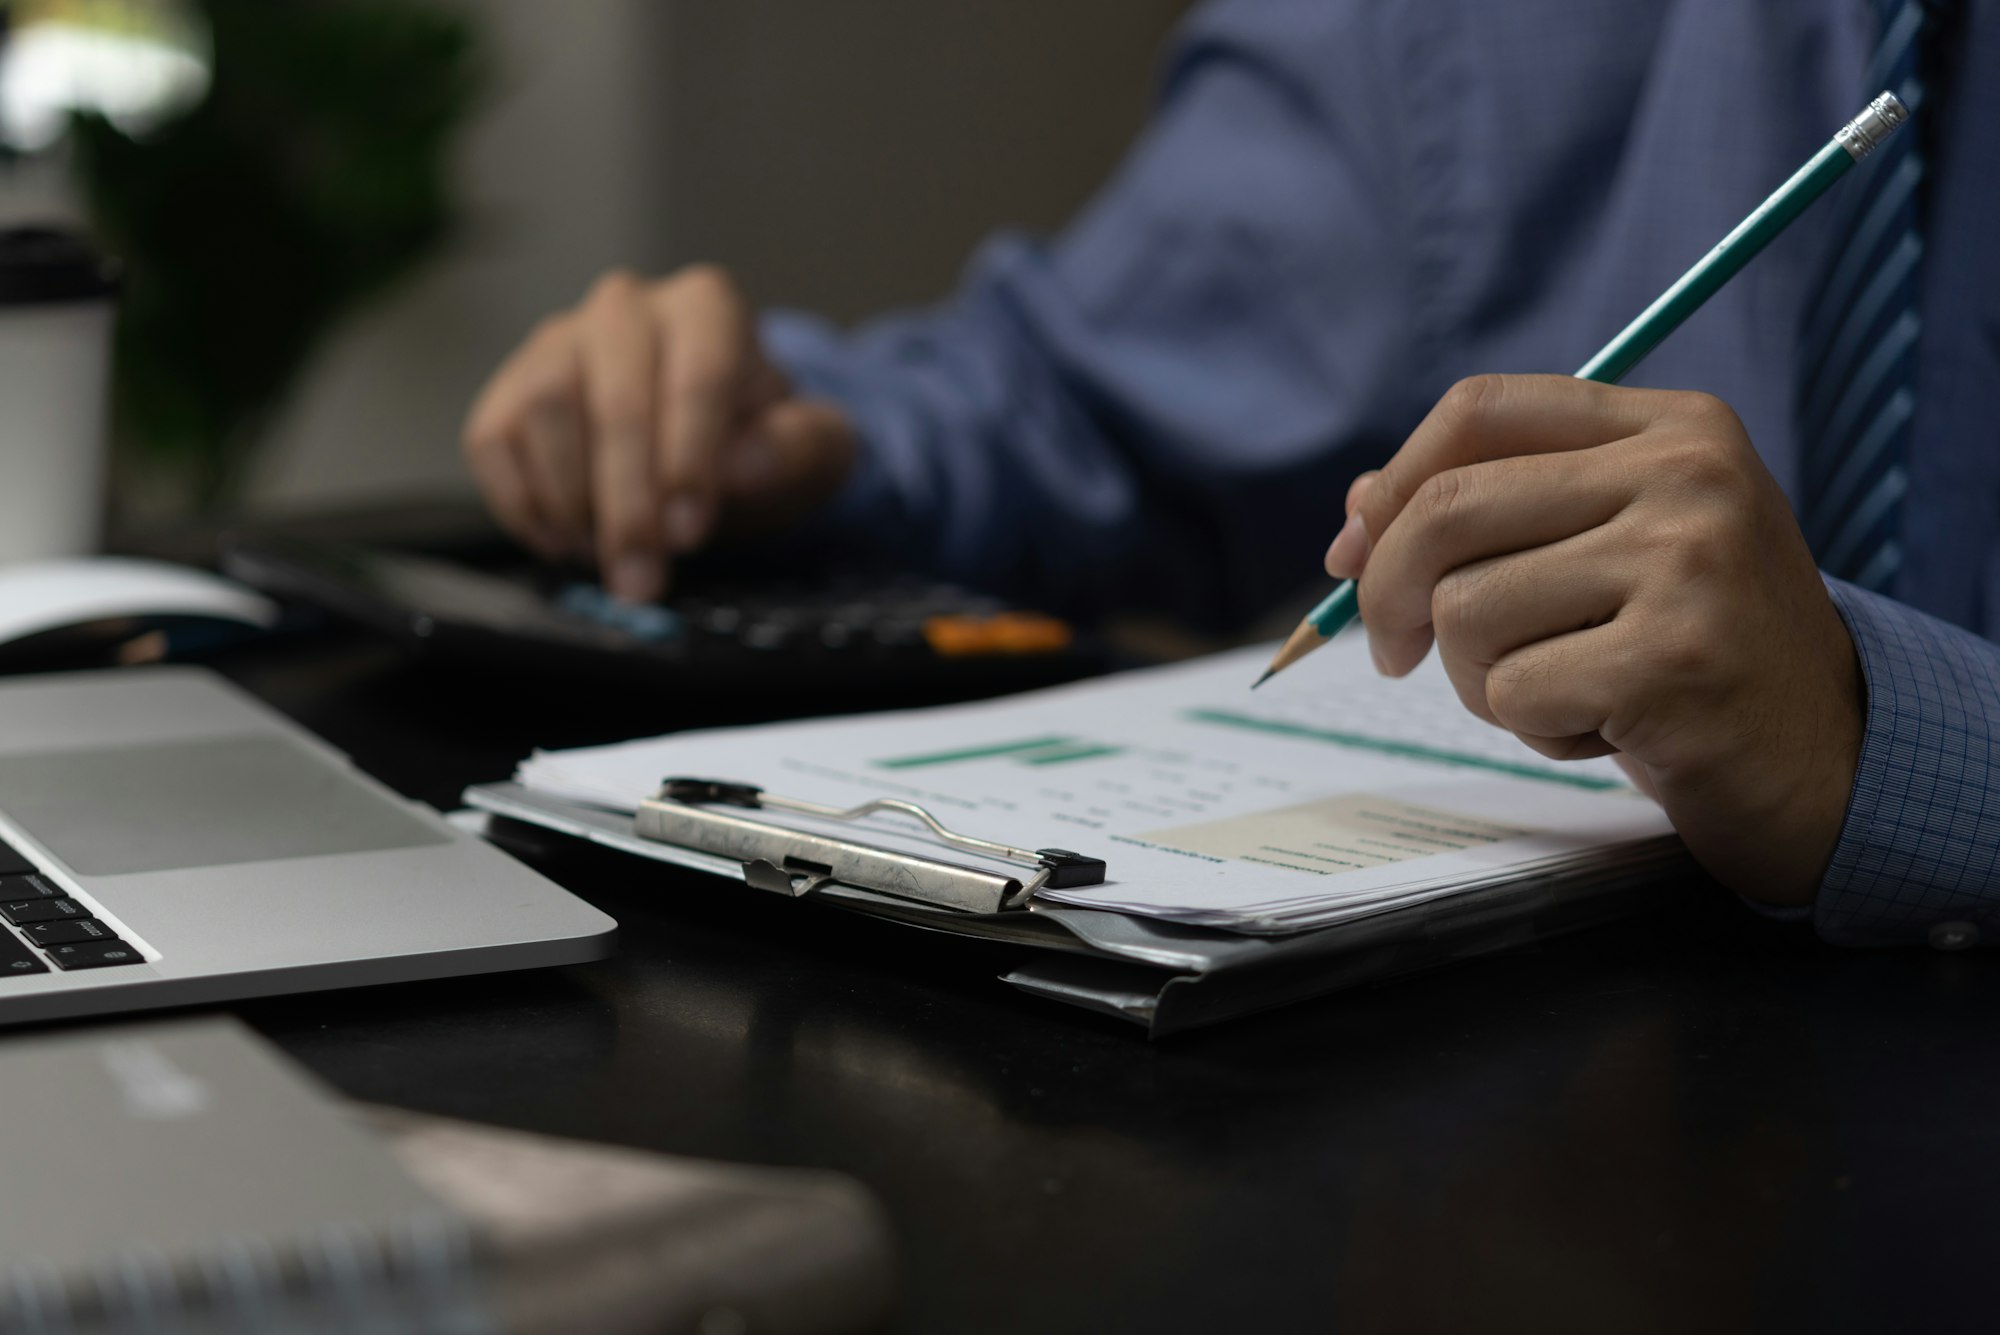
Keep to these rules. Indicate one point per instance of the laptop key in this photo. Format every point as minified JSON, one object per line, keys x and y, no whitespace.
{"x":12,"y":863}
{"x":95,"y":955}
{"x":16,"y":888}
{"x":68,"y":932}
{"x":16,"y":958}
{"x":22,"y":912}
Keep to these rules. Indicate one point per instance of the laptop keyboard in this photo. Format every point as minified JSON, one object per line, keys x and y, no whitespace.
{"x":60,"y":929}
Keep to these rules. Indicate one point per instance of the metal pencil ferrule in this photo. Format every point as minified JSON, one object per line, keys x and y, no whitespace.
{"x":1865,"y":133}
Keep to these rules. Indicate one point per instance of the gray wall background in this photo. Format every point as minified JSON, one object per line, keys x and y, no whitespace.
{"x":841,"y":155}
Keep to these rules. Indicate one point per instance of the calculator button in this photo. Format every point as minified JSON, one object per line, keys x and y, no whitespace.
{"x":95,"y":955}
{"x":41,"y":910}
{"x":649,"y":622}
{"x":766,"y":635}
{"x":68,"y":932}
{"x":1008,"y":633}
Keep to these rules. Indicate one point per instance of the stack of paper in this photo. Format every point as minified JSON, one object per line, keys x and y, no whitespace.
{"x":1327,"y":795}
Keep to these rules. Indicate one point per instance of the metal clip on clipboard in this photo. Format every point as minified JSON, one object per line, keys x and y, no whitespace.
{"x":706,"y":815}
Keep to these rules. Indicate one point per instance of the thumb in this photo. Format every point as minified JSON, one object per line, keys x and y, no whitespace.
{"x":790,"y":458}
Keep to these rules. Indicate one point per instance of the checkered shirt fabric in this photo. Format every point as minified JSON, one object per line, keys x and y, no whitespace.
{"x":1921,"y":844}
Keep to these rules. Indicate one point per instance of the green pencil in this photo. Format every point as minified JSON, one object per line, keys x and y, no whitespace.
{"x":1853,"y":142}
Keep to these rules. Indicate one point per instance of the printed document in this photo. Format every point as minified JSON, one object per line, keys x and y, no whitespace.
{"x":1329,"y":794}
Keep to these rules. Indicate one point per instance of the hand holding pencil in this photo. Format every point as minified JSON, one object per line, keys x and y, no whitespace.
{"x":1609,"y":571}
{"x":1851,"y":143}
{"x":1614,"y":571}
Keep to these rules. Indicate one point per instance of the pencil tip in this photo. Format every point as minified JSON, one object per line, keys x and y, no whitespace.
{"x":1268,"y":674}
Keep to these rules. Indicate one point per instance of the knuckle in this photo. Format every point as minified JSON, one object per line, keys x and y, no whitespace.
{"x":489,"y":427}
{"x":1683,"y":653}
{"x":1510,"y":683}
{"x":1503,"y":688}
{"x":709,"y":277}
{"x":1708,"y":411}
{"x":550,"y":418}
{"x":551,"y":329}
{"x":1699,"y":551}
{"x":1475,"y":396}
{"x":1454,"y":606}
{"x":545,"y":347}
{"x":1690,"y":546}
{"x":1443,"y":498}
{"x":615,"y":285}
{"x":1700,"y":468}
{"x":1707,"y":447}
{"x":622,"y":408}
{"x":1670,"y":542}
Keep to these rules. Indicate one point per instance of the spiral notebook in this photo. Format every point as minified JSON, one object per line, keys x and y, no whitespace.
{"x":181,"y":1178}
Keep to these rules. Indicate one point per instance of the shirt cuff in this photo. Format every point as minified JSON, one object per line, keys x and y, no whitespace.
{"x":1919,"y":853}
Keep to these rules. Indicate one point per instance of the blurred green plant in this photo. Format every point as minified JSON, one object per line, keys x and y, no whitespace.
{"x":313,"y":176}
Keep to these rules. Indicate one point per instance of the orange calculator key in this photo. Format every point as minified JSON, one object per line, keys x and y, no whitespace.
{"x":1002,"y":633}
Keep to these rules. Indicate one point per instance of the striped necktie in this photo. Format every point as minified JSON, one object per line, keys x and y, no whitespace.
{"x":1860,"y":340}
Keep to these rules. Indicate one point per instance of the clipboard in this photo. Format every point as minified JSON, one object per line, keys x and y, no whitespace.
{"x":1167,"y":977}
{"x":706,"y":815}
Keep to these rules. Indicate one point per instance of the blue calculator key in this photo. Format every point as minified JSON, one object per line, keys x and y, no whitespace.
{"x":642,"y":621}
{"x":584,"y":600}
{"x":648,"y":621}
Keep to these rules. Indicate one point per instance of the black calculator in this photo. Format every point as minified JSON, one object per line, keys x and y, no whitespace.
{"x":723,"y":629}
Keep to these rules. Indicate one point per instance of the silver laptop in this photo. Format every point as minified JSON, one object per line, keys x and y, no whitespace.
{"x":167,"y":840}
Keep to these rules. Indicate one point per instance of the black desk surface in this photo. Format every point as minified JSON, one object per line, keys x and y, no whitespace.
{"x":1695,"y":1121}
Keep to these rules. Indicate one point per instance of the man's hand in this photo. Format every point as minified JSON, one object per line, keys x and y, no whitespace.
{"x":631,"y":428}
{"x":1614,"y":571}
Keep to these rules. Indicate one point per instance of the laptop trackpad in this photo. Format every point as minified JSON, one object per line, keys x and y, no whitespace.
{"x":177,"y":805}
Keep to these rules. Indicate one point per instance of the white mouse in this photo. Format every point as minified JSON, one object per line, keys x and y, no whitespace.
{"x":40,"y":597}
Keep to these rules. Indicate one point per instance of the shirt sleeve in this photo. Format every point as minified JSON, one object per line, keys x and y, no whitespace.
{"x":1161,"y":408}
{"x":1339,"y":207}
{"x":1920,"y":850}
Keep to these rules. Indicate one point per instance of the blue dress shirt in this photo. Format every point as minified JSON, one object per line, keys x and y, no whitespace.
{"x":1341,"y":207}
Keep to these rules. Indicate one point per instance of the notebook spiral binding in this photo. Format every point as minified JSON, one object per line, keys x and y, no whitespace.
{"x":420,"y":1279}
